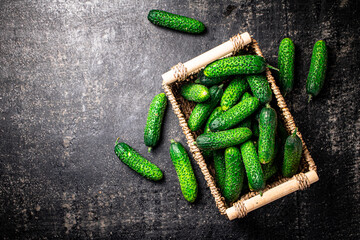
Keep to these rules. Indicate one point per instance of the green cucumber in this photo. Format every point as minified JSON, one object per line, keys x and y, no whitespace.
{"x":235,"y":115}
{"x":316,"y":78}
{"x":247,"y":121}
{"x":244,"y":64}
{"x":286,"y":57}
{"x":223,"y":139}
{"x":233,"y":92}
{"x":176,"y":22}
{"x":219,"y":167}
{"x":234,"y":176}
{"x":195,"y":92}
{"x":292,"y":155}
{"x":260,"y":87}
{"x":154,"y":121}
{"x":202,"y":110}
{"x":136,"y":162}
{"x":202,"y":79}
{"x":253,"y":168}
{"x":267,"y":127}
{"x":185,"y":173}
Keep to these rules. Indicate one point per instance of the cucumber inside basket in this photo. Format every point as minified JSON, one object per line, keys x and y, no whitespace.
{"x":238,"y":135}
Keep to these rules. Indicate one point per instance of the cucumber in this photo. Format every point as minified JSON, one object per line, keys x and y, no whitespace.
{"x":247,"y":121}
{"x":202,"y":110}
{"x":253,"y":168}
{"x":234,"y":176}
{"x":154,"y":121}
{"x":176,"y":22}
{"x":136,"y":162}
{"x":233,"y":92}
{"x":185,"y":173}
{"x":292,"y":155}
{"x":244,"y":64}
{"x":217,"y":111}
{"x":235,"y":115}
{"x":223,"y":139}
{"x":202,"y":79}
{"x":260,"y":87}
{"x":195,"y":92}
{"x":286,"y":57}
{"x":267,"y":127}
{"x":220,"y":170}
{"x":316,"y":78}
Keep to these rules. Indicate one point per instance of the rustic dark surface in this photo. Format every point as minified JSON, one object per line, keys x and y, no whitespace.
{"x":77,"y":75}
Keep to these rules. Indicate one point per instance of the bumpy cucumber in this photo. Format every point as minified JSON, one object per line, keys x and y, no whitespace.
{"x":220,"y":170}
{"x":292,"y":155}
{"x":286,"y":59}
{"x":202,"y":79}
{"x":267,"y":127}
{"x":247,"y":121}
{"x":136,"y":162}
{"x":202,"y":110}
{"x":154,"y":120}
{"x":187,"y":180}
{"x":244,"y":64}
{"x":176,"y":22}
{"x":233,"y":92}
{"x":235,"y":115}
{"x":260,"y":87}
{"x":316,"y":77}
{"x":235,"y":172}
{"x":223,"y":139}
{"x":253,"y":168}
{"x":195,"y":92}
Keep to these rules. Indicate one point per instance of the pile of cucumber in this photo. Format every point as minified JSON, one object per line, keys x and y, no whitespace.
{"x":240,"y":131}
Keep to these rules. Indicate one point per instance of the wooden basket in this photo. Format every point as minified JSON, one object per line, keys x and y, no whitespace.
{"x":280,"y":187}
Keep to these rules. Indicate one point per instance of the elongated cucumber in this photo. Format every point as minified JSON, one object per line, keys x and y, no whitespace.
{"x":233,"y":92}
{"x":292,"y":155}
{"x":267,"y":127}
{"x":219,"y":167}
{"x":286,"y":59}
{"x":260,"y":87}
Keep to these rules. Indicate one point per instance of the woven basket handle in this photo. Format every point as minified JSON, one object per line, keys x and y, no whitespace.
{"x":181,"y":71}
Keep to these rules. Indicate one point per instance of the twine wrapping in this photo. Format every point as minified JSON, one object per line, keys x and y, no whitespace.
{"x":237,"y":42}
{"x":303,"y":181}
{"x":240,"y":209}
{"x":180,"y":72}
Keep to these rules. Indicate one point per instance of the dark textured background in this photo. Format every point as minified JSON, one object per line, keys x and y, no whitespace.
{"x":75,"y":75}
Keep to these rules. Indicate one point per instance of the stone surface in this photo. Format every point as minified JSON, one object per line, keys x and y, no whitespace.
{"x":75,"y":75}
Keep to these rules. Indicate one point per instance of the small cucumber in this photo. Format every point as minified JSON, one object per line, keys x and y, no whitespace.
{"x":154,"y":120}
{"x":292,"y":155}
{"x":185,"y":173}
{"x":176,"y":22}
{"x":234,"y":176}
{"x":223,"y":139}
{"x":318,"y":65}
{"x":233,"y":92}
{"x":136,"y":162}
{"x":253,"y":168}
{"x":267,"y":127}
{"x":220,"y":170}
{"x":260,"y":87}
{"x":202,"y":79}
{"x":247,"y":121}
{"x":286,"y":57}
{"x":244,"y":64}
{"x":235,"y":115}
{"x":202,"y":110}
{"x":195,"y":92}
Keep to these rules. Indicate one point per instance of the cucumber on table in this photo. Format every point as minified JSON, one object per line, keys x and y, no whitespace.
{"x":175,"y":21}
{"x":220,"y":169}
{"x":292,"y":155}
{"x":234,"y":176}
{"x":182,"y":164}
{"x":233,"y":92}
{"x":318,"y":65}
{"x":202,"y":110}
{"x":204,"y":80}
{"x":136,"y":162}
{"x":286,"y":59}
{"x":252,"y":165}
{"x":223,"y":139}
{"x":235,"y":115}
{"x":195,"y":92}
{"x":267,"y":127}
{"x":154,"y":121}
{"x":260,"y":88}
{"x":244,"y":64}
